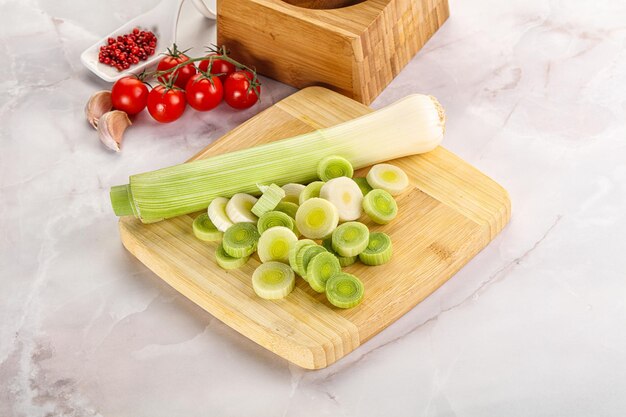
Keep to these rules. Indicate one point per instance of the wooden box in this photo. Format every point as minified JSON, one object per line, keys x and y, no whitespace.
{"x":355,"y":50}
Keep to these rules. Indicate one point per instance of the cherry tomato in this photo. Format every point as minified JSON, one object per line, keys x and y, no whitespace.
{"x":204,"y":94}
{"x":219,"y":67}
{"x":236,"y":92}
{"x":129,"y":94}
{"x":182,"y":74}
{"x":166,"y":105}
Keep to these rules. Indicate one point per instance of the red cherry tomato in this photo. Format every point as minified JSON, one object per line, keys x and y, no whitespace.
{"x":236,"y":92}
{"x":182,"y":74}
{"x":166,"y":105}
{"x":129,"y":95}
{"x":204,"y":94}
{"x":219,"y":67}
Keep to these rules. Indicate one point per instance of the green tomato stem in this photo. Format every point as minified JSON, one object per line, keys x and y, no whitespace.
{"x":222,"y":55}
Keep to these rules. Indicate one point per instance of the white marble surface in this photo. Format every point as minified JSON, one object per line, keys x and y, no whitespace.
{"x":533,"y":326}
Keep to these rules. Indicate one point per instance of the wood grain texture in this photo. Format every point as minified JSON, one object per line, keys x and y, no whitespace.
{"x":450,"y":213}
{"x":355,"y":50}
{"x":323,"y":4}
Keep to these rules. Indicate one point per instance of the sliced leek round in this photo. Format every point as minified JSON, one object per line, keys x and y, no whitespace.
{"x":363,"y":185}
{"x":274,"y":244}
{"x":350,"y":239}
{"x":293,"y":251}
{"x":320,"y":269}
{"x":317,"y":218}
{"x":272,"y":195}
{"x":334,"y":166}
{"x":344,"y":194}
{"x":240,"y":239}
{"x":304,"y":256}
{"x":217,"y":214}
{"x":380,"y":206}
{"x":343,"y":260}
{"x":310,"y":191}
{"x":274,"y":219}
{"x":292,"y":192}
{"x":239,"y":208}
{"x":225,"y":261}
{"x":346,"y":260}
{"x":344,"y":290}
{"x":378,"y":250}
{"x":204,"y":229}
{"x":273,"y":280}
{"x":288,"y":208}
{"x":389,"y":178}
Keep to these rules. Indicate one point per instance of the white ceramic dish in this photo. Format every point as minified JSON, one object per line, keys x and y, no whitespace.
{"x":180,"y":21}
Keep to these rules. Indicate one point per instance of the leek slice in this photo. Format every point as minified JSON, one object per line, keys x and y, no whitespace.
{"x":217,"y":214}
{"x":288,"y":208}
{"x":274,"y":244}
{"x":363,"y":185}
{"x":343,"y":260}
{"x":239,"y":208}
{"x":204,"y":229}
{"x":240,"y":239}
{"x":378,"y":250}
{"x":292,"y":192}
{"x":320,"y":269}
{"x":345,"y":195}
{"x":389,"y":178}
{"x":350,"y":239}
{"x":311,"y":191}
{"x":344,"y":290}
{"x":269,"y":200}
{"x":333,"y":167}
{"x":273,"y":280}
{"x":317,"y":218}
{"x":380,"y":206}
{"x":304,"y":256}
{"x":275,"y":219}
{"x":294,"y":251}
{"x":225,"y":261}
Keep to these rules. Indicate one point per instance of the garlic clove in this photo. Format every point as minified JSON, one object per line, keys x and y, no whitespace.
{"x":111,"y":127}
{"x":98,"y":104}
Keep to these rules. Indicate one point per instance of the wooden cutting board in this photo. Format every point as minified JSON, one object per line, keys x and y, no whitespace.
{"x":449,"y":214}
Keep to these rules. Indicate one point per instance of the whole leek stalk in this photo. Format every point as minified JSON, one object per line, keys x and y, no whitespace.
{"x":409,"y":126}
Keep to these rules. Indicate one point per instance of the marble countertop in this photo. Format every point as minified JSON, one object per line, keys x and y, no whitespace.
{"x":533,"y":326}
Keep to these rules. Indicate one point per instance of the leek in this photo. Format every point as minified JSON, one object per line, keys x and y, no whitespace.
{"x":380,"y":206}
{"x":293,"y":251}
{"x":274,"y":244}
{"x":320,"y":269}
{"x":378,"y":250}
{"x":389,"y":178}
{"x":344,"y":290}
{"x":310,"y":191}
{"x":273,"y":280}
{"x":410,"y":126}
{"x":350,"y":239}
{"x":346,"y":195}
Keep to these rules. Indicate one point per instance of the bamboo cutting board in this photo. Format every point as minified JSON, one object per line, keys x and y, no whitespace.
{"x":449,"y":214}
